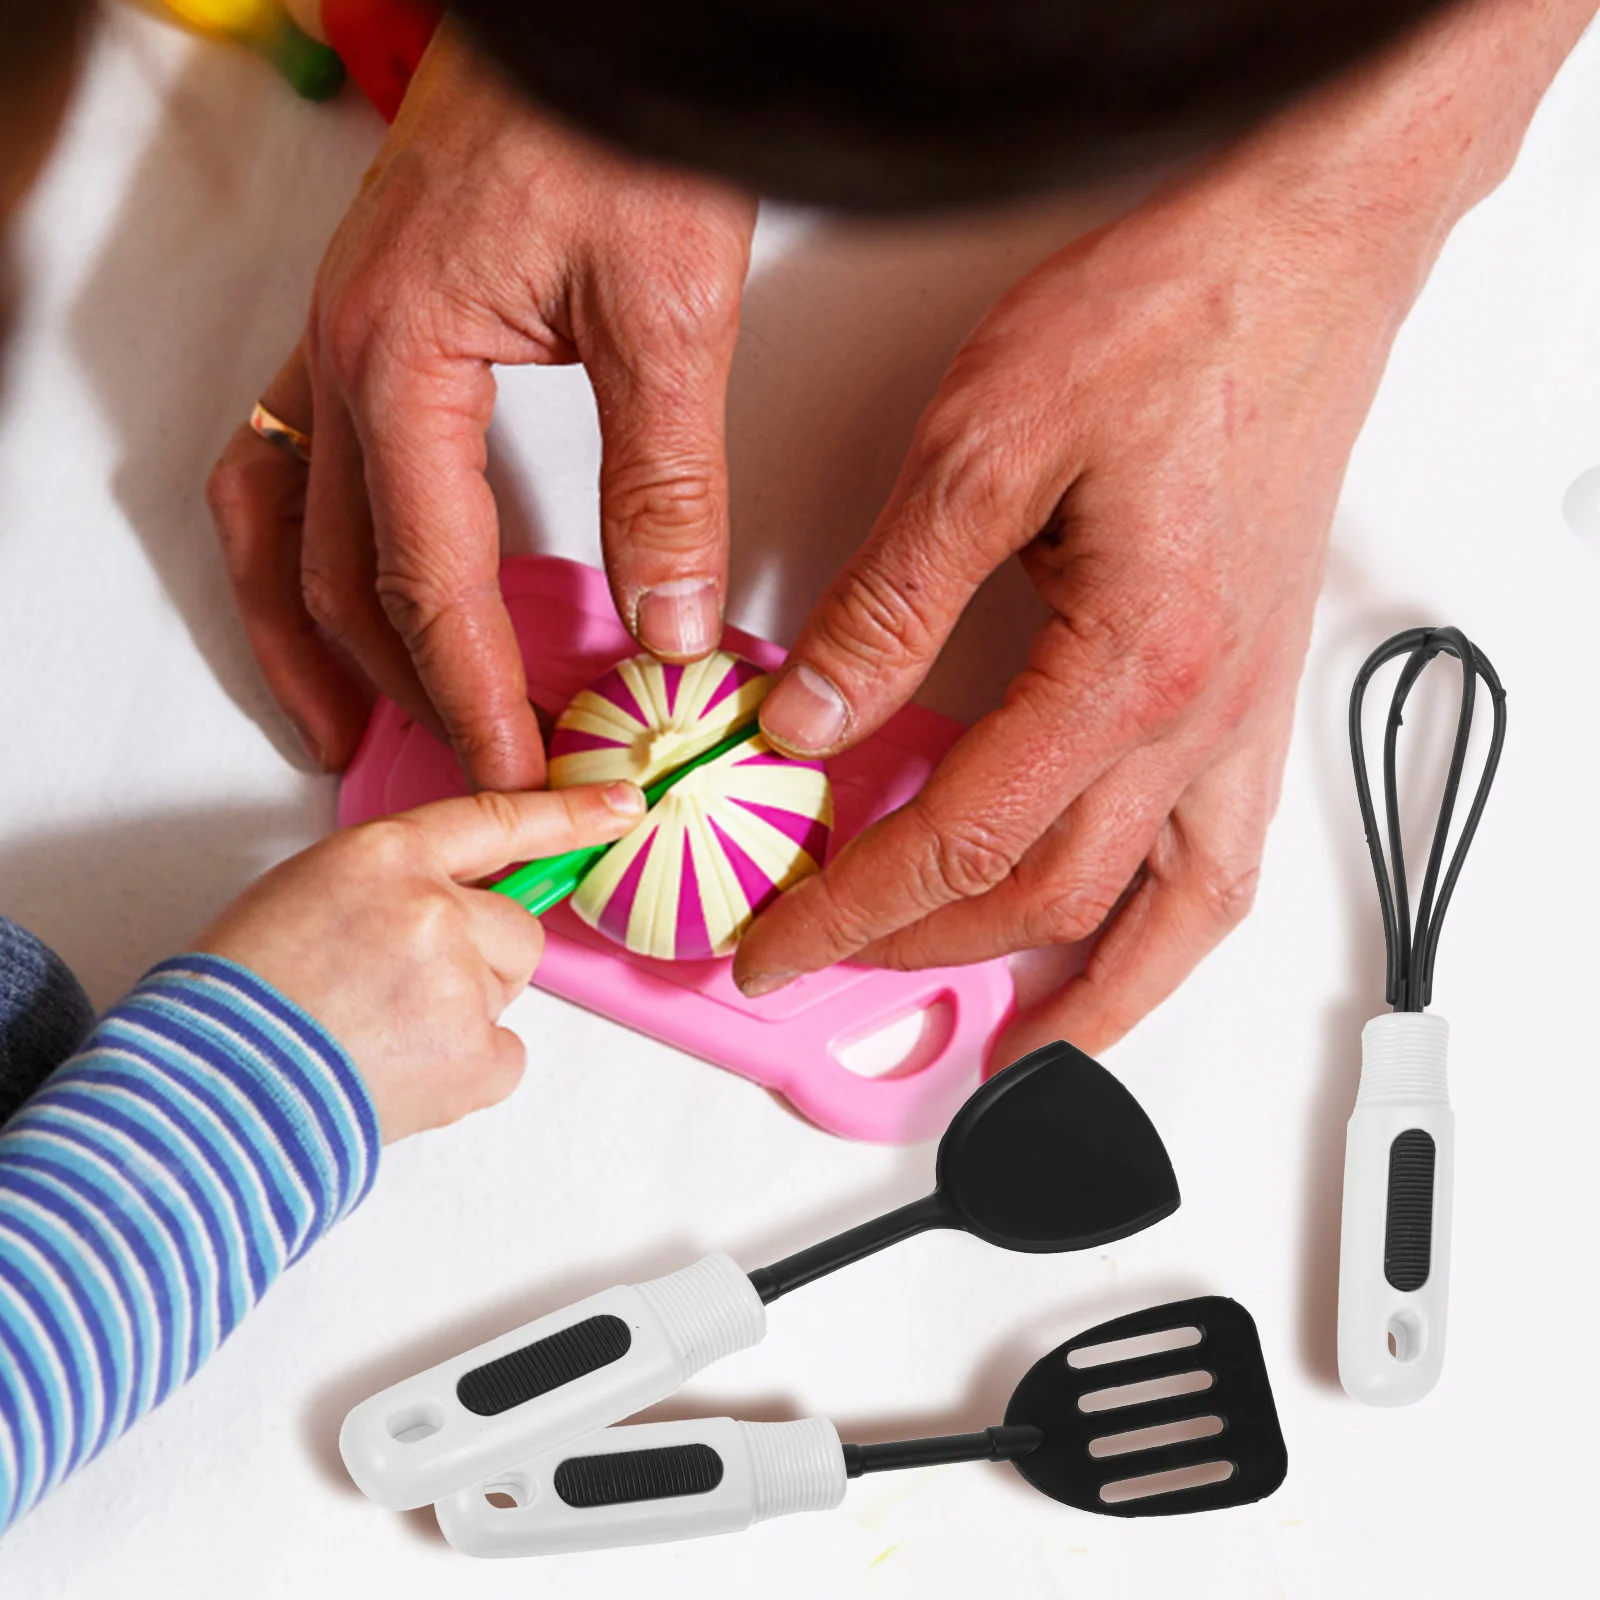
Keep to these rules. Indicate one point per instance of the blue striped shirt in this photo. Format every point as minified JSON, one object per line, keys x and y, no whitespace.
{"x":207,"y":1134}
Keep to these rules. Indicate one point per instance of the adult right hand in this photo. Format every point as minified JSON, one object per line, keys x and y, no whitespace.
{"x":484,"y":234}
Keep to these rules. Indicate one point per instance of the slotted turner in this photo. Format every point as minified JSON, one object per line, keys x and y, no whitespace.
{"x":1162,"y":1412}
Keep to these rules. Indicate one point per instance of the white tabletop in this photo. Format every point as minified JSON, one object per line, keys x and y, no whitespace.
{"x":166,"y":262}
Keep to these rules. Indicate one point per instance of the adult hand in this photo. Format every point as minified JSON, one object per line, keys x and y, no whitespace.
{"x":485,"y":233}
{"x":376,"y":934}
{"x":1156,"y":421}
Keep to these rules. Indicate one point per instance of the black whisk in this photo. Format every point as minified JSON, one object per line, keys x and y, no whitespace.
{"x":1399,"y":1160}
{"x":1409,"y":979}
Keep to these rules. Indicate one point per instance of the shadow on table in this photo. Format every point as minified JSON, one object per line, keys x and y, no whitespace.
{"x":114,"y":899}
{"x":200,"y":292}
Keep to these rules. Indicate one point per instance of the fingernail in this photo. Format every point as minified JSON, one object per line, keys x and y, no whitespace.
{"x":805,"y":713}
{"x":681,"y":618}
{"x":760,"y":983}
{"x":625,"y":798}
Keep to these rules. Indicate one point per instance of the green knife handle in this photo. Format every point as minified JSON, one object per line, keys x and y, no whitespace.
{"x":548,"y":881}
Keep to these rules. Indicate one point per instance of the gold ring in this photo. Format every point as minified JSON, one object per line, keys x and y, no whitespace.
{"x":283,"y":434}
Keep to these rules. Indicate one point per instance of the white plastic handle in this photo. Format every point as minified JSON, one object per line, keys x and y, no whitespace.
{"x":647,"y":1484}
{"x":556,"y":1379}
{"x":1394,"y":1250}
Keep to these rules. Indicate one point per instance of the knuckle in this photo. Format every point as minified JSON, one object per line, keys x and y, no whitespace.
{"x":846,"y":919}
{"x":228,"y":496}
{"x":345,"y":325}
{"x":330,"y":599}
{"x":532,"y":949}
{"x":1176,"y":665}
{"x":877,"y":620}
{"x":413,"y":606}
{"x":681,"y":305}
{"x":414,"y":602}
{"x":971,"y":467}
{"x":679,"y":512}
{"x":894,"y":954}
{"x":498,"y":810}
{"x":383,"y":849}
{"x":1227,"y":894}
{"x":966,"y":861}
{"x":1070,"y":912}
{"x":1164,"y":657}
{"x":972,"y":485}
{"x":434,"y":920}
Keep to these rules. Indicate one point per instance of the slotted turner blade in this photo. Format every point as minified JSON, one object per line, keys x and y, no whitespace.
{"x":1121,"y":1424}
{"x":1092,"y":1435}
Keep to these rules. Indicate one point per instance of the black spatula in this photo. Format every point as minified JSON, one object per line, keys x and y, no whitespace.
{"x":1165,"y":1411}
{"x":1051,"y":1154}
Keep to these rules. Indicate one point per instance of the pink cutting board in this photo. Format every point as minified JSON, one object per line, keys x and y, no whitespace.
{"x":790,"y":1041}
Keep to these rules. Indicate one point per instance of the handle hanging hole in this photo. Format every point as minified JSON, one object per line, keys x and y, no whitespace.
{"x":1404,"y":1336}
{"x":412,"y":1424}
{"x":509,"y":1493}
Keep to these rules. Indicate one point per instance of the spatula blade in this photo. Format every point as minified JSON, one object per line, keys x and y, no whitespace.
{"x":1053,"y":1153}
{"x":1122,"y":1435}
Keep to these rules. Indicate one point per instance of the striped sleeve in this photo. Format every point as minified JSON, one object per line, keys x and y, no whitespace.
{"x":207,"y":1134}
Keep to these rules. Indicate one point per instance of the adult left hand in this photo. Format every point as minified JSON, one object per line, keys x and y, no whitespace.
{"x":1156,"y":421}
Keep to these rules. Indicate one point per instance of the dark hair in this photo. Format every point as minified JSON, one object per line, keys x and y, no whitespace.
{"x":888,"y":103}
{"x":37,"y":39}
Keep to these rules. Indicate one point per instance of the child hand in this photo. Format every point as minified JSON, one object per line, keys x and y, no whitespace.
{"x":376,"y":933}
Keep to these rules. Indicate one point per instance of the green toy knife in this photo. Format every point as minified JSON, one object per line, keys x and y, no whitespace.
{"x":549,"y":880}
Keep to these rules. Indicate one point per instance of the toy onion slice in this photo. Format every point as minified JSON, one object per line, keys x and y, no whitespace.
{"x":718,"y":847}
{"x":645,"y":718}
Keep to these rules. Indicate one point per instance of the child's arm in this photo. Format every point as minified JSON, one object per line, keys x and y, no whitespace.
{"x":205,"y":1137}
{"x":211,"y":1130}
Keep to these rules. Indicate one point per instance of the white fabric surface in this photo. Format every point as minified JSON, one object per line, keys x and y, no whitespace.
{"x":166,"y":262}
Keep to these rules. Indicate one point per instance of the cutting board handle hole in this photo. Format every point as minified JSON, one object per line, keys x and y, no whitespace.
{"x":902,"y":1046}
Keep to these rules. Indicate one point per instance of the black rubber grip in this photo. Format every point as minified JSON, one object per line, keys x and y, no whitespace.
{"x":629,"y":1475}
{"x":544,"y":1365}
{"x":1408,"y":1227}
